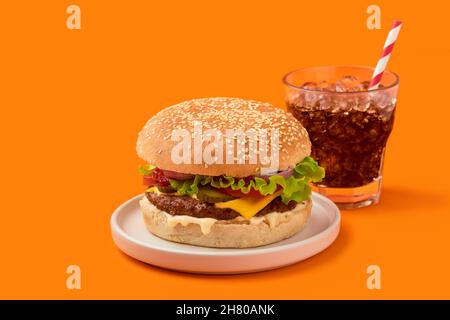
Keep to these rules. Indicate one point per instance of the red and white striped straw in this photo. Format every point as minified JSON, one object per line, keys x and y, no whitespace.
{"x":385,"y":54}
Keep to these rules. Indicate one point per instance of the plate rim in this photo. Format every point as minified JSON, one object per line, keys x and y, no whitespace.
{"x":115,"y":228}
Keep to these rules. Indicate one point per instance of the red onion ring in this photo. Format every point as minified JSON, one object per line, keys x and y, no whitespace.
{"x":285,"y":174}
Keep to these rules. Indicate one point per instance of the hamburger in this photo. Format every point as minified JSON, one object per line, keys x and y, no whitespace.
{"x":226,"y":172}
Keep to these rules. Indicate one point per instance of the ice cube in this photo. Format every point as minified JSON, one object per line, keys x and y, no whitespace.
{"x":325,"y":86}
{"x":349,"y":84}
{"x":309,"y":85}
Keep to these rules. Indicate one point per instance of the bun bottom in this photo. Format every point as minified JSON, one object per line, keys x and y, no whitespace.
{"x":235,"y":233}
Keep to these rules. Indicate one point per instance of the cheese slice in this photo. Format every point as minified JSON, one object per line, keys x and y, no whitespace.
{"x":154,"y":190}
{"x":248,"y":206}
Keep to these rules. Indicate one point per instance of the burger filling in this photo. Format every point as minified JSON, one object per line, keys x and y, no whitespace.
{"x":185,"y":205}
{"x":225,"y":197}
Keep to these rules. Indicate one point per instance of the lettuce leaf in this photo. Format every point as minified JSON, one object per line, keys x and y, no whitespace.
{"x":294,"y":188}
{"x":187,"y":187}
{"x":309,"y":168}
{"x":146,"y":170}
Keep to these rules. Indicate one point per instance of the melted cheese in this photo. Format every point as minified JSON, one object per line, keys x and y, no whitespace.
{"x":204,"y":223}
{"x":272,"y":220}
{"x":248,"y":206}
{"x":276,"y":218}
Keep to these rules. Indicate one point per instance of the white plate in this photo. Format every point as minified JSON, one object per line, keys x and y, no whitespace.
{"x":131,"y":236}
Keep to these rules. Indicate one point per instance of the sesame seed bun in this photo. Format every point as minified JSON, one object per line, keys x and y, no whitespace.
{"x":235,"y":233}
{"x":154,"y":144}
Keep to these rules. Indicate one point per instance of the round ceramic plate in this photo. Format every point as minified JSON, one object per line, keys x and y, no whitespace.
{"x":131,"y":236}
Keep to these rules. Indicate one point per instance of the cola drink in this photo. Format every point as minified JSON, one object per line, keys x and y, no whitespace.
{"x":349,"y":127}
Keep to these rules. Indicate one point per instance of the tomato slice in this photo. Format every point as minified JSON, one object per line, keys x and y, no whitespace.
{"x":148,"y":180}
{"x":160,"y":178}
{"x":156,"y":178}
{"x":177,"y":175}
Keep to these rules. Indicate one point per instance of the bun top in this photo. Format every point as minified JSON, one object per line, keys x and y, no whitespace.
{"x":172,"y":126}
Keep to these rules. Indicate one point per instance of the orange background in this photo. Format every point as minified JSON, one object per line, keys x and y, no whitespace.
{"x":73,"y":101}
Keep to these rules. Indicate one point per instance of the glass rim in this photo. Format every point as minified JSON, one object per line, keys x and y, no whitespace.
{"x":287,"y":83}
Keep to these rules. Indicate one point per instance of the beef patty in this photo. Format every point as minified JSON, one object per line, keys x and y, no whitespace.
{"x":176,"y":205}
